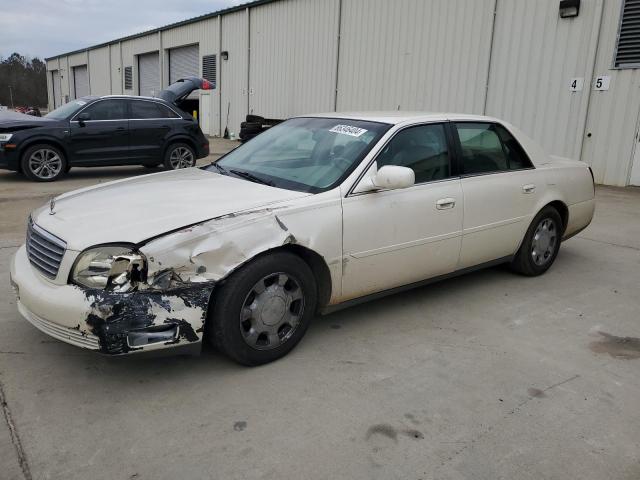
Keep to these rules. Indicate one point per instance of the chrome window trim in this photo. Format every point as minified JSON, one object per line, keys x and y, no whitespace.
{"x":124,"y":99}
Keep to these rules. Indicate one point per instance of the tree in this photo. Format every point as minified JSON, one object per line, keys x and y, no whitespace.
{"x":27,"y":78}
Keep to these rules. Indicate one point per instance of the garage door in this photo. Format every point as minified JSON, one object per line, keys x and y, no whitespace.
{"x":57,"y":89}
{"x":149,"y":74}
{"x":183,"y":62}
{"x":81,"y":81}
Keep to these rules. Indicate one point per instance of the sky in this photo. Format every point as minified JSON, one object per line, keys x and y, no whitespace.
{"x":44,"y":28}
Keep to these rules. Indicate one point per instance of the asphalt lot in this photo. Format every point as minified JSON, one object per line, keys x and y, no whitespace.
{"x":486,"y":376}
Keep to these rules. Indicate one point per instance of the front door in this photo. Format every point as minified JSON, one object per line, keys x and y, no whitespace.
{"x":103,"y":136}
{"x":397,"y":237}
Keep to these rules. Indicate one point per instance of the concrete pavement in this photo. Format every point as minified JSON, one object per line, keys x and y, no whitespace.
{"x":486,"y":376}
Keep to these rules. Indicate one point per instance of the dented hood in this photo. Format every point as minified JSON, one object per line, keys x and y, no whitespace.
{"x":136,"y":209}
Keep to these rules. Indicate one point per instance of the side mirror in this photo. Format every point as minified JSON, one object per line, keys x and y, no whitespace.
{"x":83,"y":117}
{"x":389,"y":177}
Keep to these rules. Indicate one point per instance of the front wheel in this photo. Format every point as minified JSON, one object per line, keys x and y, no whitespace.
{"x":179,"y":155}
{"x":43,"y":163}
{"x":540,"y":245}
{"x":264,"y":309}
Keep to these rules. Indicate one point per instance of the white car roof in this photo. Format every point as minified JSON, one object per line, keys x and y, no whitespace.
{"x":397,"y":117}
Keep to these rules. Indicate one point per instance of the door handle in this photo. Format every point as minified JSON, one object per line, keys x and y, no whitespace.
{"x":528,"y":188}
{"x":445,"y":203}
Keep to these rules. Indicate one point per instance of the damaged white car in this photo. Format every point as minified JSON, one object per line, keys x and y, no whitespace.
{"x":317,"y":213}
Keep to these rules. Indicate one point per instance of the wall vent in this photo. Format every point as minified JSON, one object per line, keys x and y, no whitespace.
{"x":209,"y":67}
{"x":628,"y":44}
{"x":128,"y":78}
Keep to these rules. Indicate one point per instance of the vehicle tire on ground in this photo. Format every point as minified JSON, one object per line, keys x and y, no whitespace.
{"x":179,"y":155}
{"x":263,"y":310}
{"x":67,"y":168}
{"x":43,"y":163}
{"x":540,"y":245}
{"x":255,"y":119}
{"x":247,"y":127}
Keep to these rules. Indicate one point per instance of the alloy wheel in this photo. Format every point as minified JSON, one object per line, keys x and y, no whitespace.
{"x":272,"y":311}
{"x":181,"y":157}
{"x":45,"y":163}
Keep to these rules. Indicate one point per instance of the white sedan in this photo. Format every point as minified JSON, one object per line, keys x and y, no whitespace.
{"x":317,"y":213}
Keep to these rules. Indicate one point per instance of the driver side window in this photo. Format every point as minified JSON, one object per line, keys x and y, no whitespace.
{"x":422,"y":148}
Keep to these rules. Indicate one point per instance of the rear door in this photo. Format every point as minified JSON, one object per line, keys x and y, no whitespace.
{"x":104,"y":137}
{"x":501,"y":189}
{"x":149,"y":124}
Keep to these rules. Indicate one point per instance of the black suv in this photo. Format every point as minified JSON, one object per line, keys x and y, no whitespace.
{"x":101,"y":131}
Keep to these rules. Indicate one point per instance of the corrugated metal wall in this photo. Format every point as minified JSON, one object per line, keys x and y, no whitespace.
{"x":234,"y":72}
{"x":613,"y":114}
{"x":535,"y":54}
{"x":414,"y":54}
{"x":99,"y":71}
{"x":294,"y":48}
{"x":435,"y":55}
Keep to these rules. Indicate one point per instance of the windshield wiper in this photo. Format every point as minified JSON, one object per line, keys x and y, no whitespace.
{"x":251,"y":177}
{"x":220,"y":169}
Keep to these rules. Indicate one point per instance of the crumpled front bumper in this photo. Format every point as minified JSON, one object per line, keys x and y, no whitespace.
{"x":112,"y":323}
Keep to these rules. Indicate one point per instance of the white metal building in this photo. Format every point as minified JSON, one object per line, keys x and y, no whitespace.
{"x":570,"y":81}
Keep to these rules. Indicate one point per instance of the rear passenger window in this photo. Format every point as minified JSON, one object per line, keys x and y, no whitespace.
{"x":487,"y":147}
{"x":481,"y":148}
{"x":144,"y":110}
{"x":422,"y":148}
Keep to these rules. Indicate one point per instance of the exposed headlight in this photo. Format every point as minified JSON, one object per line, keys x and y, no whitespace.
{"x":115,"y":268}
{"x":5,"y":137}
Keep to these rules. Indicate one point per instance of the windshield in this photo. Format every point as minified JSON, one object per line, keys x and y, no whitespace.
{"x":304,"y":154}
{"x":66,"y":110}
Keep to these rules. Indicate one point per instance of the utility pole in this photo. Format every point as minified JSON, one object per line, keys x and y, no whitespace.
{"x":11,"y":96}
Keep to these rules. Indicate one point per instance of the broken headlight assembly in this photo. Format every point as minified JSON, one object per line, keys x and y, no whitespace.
{"x":116,"y":268}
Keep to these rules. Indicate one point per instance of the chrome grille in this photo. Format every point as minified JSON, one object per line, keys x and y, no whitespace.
{"x":45,"y":250}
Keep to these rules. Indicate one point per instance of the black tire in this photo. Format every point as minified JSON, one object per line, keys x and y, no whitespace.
{"x":251,"y":129}
{"x":227,"y":331}
{"x":525,"y":261}
{"x":177,"y":149}
{"x":255,"y":119}
{"x":53,"y":156}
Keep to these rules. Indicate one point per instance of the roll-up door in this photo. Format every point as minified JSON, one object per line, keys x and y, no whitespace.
{"x":81,"y":81}
{"x":183,"y":62}
{"x":149,"y":74}
{"x":57,"y":89}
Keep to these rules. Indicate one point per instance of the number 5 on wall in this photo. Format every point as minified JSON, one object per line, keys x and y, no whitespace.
{"x":602,"y":83}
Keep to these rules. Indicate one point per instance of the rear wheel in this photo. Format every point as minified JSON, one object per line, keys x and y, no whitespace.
{"x":540,"y":245}
{"x":43,"y":163}
{"x":179,"y":155}
{"x":263,"y":310}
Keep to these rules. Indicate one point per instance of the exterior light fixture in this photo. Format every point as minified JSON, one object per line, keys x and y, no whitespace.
{"x":569,"y":8}
{"x":224,"y":55}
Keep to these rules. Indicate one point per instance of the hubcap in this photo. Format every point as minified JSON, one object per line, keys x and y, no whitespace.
{"x":181,"y":157}
{"x":271,"y":312}
{"x":544,"y":241}
{"x":45,"y":163}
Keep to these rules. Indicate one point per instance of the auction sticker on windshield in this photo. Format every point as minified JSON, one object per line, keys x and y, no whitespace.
{"x":348,"y":130}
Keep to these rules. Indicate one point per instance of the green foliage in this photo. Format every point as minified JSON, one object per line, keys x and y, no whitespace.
{"x":27,"y":78}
